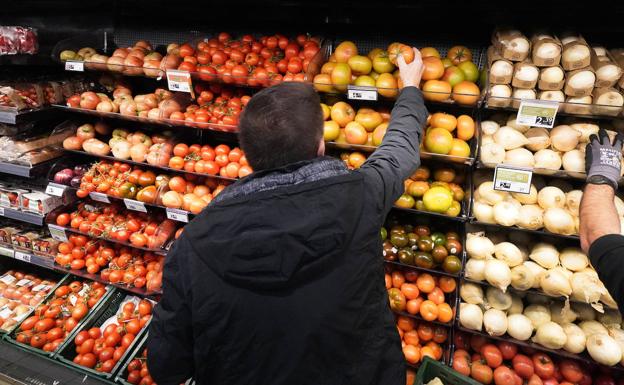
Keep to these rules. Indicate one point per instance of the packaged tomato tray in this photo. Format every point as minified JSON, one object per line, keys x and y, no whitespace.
{"x":50,"y":325}
{"x":108,"y":338}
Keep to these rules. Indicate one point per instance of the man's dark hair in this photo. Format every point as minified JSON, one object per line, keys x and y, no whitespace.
{"x":280,"y":125}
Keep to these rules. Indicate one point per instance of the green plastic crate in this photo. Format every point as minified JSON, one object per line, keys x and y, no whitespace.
{"x":123,"y":373}
{"x":67,"y":352}
{"x":430,"y":369}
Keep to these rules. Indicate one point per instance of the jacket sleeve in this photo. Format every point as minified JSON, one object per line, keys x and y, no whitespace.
{"x":399,"y":155}
{"x":606,"y":255}
{"x":170,"y":341}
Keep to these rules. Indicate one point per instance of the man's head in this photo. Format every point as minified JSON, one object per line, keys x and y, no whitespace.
{"x":282,"y":124}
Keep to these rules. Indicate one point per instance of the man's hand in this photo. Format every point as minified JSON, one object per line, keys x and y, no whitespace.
{"x":412,"y":72}
{"x":603,"y":159}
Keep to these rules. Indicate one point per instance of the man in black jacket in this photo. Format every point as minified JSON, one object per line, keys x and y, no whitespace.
{"x":280,"y":279}
{"x":600,"y":226}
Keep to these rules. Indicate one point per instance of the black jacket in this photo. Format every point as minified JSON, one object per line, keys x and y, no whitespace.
{"x":285,"y":285}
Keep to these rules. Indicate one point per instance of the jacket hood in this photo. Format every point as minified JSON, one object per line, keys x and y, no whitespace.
{"x":276,"y":227}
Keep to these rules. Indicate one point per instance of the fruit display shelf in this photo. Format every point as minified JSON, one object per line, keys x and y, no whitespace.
{"x":23,"y":170}
{"x":565,"y":108}
{"x":423,"y":269}
{"x":150,"y":166}
{"x":170,"y":123}
{"x":22,"y":216}
{"x":12,"y":115}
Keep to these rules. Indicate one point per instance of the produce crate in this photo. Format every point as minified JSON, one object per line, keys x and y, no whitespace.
{"x":430,"y":369}
{"x":123,"y":373}
{"x":67,"y":352}
{"x":12,"y":336}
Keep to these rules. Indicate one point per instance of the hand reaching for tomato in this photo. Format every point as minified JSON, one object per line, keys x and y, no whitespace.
{"x":411,"y":73}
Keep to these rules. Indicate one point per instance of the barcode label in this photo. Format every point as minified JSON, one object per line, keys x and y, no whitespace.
{"x":177,"y":215}
{"x":22,"y":256}
{"x":362,"y":93}
{"x":56,"y":190}
{"x":99,"y":197}
{"x":74,"y":66}
{"x":135,"y":205}
{"x":179,"y":80}
{"x":57,"y":233}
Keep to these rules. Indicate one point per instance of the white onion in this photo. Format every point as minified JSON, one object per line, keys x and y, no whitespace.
{"x":577,"y":52}
{"x":492,"y":153}
{"x":576,"y":340}
{"x":537,"y":272}
{"x":573,"y":259}
{"x":610,"y":98}
{"x":522,"y":278}
{"x":475,"y":269}
{"x":618,"y":335}
{"x":521,"y":93}
{"x":495,"y":322}
{"x":508,"y":253}
{"x":470,"y":316}
{"x":519,"y":327}
{"x":547,"y":159}
{"x":547,"y":50}
{"x":555,"y":283}
{"x":539,"y":138}
{"x":497,"y":298}
{"x":497,"y":273}
{"x":545,"y":254}
{"x":581,"y":80}
{"x":564,"y":138}
{"x":487,"y":139}
{"x":531,"y":217}
{"x":526,"y":73}
{"x":489,"y":127}
{"x":471,"y":293}
{"x":538,"y":314}
{"x":526,"y":199}
{"x":510,"y":138}
{"x":604,"y":349}
{"x":574,"y":160}
{"x":490,"y":196}
{"x":550,"y":197}
{"x":591,"y":327}
{"x":479,"y":246}
{"x":500,"y":91}
{"x":550,"y":335}
{"x":609,"y":73}
{"x":555,"y":96}
{"x":519,"y":45}
{"x":560,"y":312}
{"x":483,"y":212}
{"x":586,"y":129}
{"x":511,"y":122}
{"x":517,"y":307}
{"x":586,"y":287}
{"x":520,"y":157}
{"x":501,"y":68}
{"x":551,"y":74}
{"x":559,"y":221}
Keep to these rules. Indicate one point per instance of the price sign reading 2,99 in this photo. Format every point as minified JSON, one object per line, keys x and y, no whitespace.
{"x":537,"y":113}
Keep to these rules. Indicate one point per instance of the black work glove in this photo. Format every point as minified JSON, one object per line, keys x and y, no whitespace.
{"x":603,"y":159}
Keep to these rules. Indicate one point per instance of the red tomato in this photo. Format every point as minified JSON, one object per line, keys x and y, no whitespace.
{"x":477,"y":342}
{"x":571,"y":370}
{"x":88,"y":359}
{"x":492,"y":355}
{"x":503,"y":376}
{"x":481,"y":373}
{"x":544,"y":366}
{"x":295,"y":65}
{"x":523,"y":365}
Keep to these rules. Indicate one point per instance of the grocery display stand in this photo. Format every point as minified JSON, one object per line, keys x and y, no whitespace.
{"x":61,"y":362}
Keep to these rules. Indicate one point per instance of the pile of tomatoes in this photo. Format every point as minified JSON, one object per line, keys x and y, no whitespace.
{"x":421,"y":339}
{"x":54,"y":320}
{"x":420,"y":294}
{"x":504,"y":363}
{"x":100,"y":348}
{"x":116,"y":223}
{"x":220,"y":160}
{"x":215,"y":104}
{"x":137,"y":370}
{"x":247,"y":60}
{"x":117,"y":264}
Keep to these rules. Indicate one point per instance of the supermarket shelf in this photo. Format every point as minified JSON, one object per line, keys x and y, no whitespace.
{"x":22,"y":216}
{"x":221,"y":128}
{"x":431,"y":271}
{"x":419,"y":318}
{"x":561,"y":353}
{"x":155,"y":251}
{"x":11,"y":115}
{"x":24,"y":170}
{"x":543,"y":233}
{"x":563,"y":174}
{"x":459,"y":218}
{"x":616,"y":114}
{"x":147,"y":165}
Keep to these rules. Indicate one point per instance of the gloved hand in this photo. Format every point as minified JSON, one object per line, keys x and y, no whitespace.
{"x":603,"y":159}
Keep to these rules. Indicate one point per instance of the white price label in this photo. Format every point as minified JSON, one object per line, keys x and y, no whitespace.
{"x":74,"y":66}
{"x":5,"y":312}
{"x":7,"y":279}
{"x":362,"y":93}
{"x":5,"y":251}
{"x":85,"y":289}
{"x":55,"y":190}
{"x":40,"y":287}
{"x":57,"y":232}
{"x":537,"y":113}
{"x":24,"y":282}
{"x":99,"y":197}
{"x":131,"y":204}
{"x":179,"y":80}
{"x":22,"y":256}
{"x":1,"y":211}
{"x":73,"y":299}
{"x":177,"y":215}
{"x":512,"y":179}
